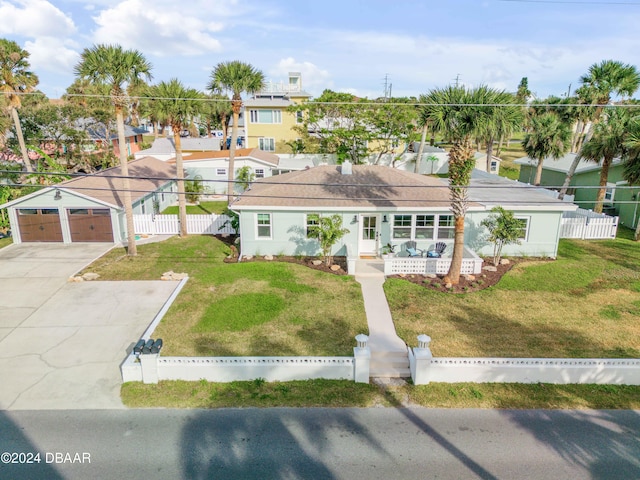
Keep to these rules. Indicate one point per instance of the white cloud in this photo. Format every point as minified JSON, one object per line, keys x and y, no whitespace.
{"x":52,"y":54}
{"x":165,"y":28}
{"x":313,"y":77}
{"x":34,"y":18}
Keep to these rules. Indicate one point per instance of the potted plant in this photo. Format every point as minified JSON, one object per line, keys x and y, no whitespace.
{"x":388,"y":251}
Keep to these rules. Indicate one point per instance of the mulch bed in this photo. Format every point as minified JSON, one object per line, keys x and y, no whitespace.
{"x":468,"y":283}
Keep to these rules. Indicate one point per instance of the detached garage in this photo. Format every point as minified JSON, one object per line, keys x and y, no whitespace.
{"x":89,"y":208}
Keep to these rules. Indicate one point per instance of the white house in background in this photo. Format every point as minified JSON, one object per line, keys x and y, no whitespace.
{"x":90,"y":208}
{"x":164,"y":148}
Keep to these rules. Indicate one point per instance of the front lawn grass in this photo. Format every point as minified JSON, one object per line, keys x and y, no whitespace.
{"x":202,"y":208}
{"x":5,"y":241}
{"x":257,"y":308}
{"x":584,"y":304}
{"x":343,"y":393}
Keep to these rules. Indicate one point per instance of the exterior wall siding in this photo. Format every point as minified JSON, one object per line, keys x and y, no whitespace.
{"x":217,"y":184}
{"x":288,"y":234}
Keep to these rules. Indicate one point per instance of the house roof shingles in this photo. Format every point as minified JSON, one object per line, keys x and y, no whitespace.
{"x":326,"y":186}
{"x":254,"y":153}
{"x":372,"y":186}
{"x":146,"y":175}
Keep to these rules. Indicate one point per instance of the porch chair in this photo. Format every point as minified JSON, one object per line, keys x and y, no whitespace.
{"x":437,"y":251}
{"x":412,"y":250}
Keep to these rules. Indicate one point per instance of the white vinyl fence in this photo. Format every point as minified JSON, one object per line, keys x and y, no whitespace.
{"x":587,"y":225}
{"x":170,"y":225}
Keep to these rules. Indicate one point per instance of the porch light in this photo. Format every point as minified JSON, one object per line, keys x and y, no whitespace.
{"x":355,"y":219}
{"x":385,"y":219}
{"x":58,"y":195}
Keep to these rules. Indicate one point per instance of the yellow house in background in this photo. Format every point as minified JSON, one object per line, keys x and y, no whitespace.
{"x":267,"y":122}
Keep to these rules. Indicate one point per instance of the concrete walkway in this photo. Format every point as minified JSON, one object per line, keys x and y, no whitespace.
{"x":388,"y":351}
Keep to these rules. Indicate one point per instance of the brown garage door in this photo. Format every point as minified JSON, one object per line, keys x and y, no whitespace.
{"x":90,"y":225}
{"x":39,"y":225}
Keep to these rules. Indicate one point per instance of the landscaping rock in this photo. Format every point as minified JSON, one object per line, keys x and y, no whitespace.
{"x":448,"y":285}
{"x":490,"y":268}
{"x":171,"y":275}
{"x":469,"y":278}
{"x":90,"y":276}
{"x":268,"y":257}
{"x":248,"y":257}
{"x":402,"y":275}
{"x":335,"y":268}
{"x":75,"y":279}
{"x":316,"y":262}
{"x":505,"y":261}
{"x":431,"y":275}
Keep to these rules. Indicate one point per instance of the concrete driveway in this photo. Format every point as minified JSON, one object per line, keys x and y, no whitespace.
{"x":61,"y":344}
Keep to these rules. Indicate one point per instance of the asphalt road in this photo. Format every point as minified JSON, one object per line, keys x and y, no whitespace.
{"x":288,"y":443}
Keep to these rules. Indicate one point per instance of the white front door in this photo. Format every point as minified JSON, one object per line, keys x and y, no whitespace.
{"x":368,"y":244}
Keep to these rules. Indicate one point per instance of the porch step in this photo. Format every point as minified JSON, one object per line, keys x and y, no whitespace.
{"x":392,"y":364}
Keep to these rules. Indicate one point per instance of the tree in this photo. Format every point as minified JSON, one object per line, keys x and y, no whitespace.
{"x":112,"y":66}
{"x":216,"y":113}
{"x":15,"y":80}
{"x":631,"y":172}
{"x":604,"y":79}
{"x":458,"y":114}
{"x":504,"y":229}
{"x":391,"y":123}
{"x":193,"y":189}
{"x":328,"y":230}
{"x":178,"y":105}
{"x":523,"y":94}
{"x":499,"y":121}
{"x":606,"y":143}
{"x":245,"y":177}
{"x":235,"y":77}
{"x":548,"y":137}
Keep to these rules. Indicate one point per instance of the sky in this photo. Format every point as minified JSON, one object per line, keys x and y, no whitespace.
{"x":348,"y":45}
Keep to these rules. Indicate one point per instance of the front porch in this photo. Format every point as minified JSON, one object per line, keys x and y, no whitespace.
{"x":471,"y":264}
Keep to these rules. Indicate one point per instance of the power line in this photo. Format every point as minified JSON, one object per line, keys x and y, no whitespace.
{"x":571,"y":2}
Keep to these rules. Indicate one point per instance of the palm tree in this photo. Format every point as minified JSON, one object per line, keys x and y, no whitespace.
{"x":178,"y":105}
{"x":454,"y":112}
{"x":500,"y":120}
{"x":548,"y":137}
{"x":216,"y":112}
{"x":16,"y":79}
{"x":111,"y":65}
{"x":235,"y":77}
{"x":604,"y":79}
{"x":631,"y":172}
{"x":606,"y":143}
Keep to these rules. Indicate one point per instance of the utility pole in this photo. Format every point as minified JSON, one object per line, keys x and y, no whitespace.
{"x":387,"y":87}
{"x":457,"y":79}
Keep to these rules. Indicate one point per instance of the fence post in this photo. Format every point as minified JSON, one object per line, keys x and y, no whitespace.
{"x":361,"y":359}
{"x":149,"y":363}
{"x":422,"y":356}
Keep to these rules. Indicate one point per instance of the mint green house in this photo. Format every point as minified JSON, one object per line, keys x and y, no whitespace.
{"x":621,"y":200}
{"x":381,"y":205}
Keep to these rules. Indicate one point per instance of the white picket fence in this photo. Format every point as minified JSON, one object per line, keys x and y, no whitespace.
{"x":587,"y":225}
{"x":170,"y":225}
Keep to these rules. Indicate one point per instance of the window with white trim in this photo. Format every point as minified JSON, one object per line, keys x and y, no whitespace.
{"x":524,"y":228}
{"x":311,"y":223}
{"x":299,"y":117}
{"x":609,"y":193}
{"x":401,"y":227}
{"x":267,"y":144}
{"x":263,"y":224}
{"x":494,"y":166}
{"x":143,"y":209}
{"x":446,"y":227}
{"x":221,"y":171}
{"x":259,"y":172}
{"x":265,"y":116}
{"x":425,"y":227}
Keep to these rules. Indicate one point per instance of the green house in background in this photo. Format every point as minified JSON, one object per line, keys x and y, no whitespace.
{"x":620,"y":200}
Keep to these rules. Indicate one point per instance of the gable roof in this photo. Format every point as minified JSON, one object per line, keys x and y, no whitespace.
{"x":374,"y":186}
{"x":564,"y":163}
{"x":165,"y":145}
{"x":253,"y":153}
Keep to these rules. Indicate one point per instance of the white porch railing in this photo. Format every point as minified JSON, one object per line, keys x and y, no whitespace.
{"x":587,"y":225}
{"x":471,"y":264}
{"x":169,"y":224}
